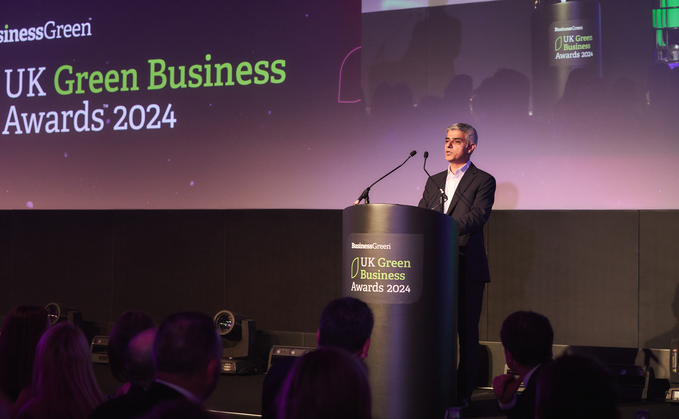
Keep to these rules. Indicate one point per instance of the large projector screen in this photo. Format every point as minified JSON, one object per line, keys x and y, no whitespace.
{"x":177,"y":104}
{"x":303,"y":104}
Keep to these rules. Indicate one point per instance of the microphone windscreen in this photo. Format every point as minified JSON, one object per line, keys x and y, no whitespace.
{"x":412,"y":153}
{"x":426,"y":154}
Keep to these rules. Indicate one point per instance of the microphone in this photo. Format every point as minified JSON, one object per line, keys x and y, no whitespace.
{"x":443,"y":197}
{"x":365,"y":193}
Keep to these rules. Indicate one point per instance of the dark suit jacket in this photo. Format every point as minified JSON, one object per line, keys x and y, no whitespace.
{"x":470,"y":206}
{"x":525,"y":402}
{"x":136,"y":403}
{"x":273,"y":383}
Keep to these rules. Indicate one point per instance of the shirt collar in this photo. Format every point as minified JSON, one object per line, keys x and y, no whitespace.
{"x":459,"y":172}
{"x":530,"y":374}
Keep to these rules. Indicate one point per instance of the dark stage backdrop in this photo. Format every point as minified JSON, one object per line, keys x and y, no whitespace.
{"x":236,"y":105}
{"x":604,"y":278}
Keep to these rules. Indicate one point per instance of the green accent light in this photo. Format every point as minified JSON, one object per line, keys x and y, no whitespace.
{"x":659,"y":41}
{"x":666,"y":18}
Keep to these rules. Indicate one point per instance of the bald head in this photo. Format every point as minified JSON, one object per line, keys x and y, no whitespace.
{"x":139,"y":358}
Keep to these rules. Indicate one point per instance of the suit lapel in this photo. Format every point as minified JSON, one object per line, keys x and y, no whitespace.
{"x":466,"y":180}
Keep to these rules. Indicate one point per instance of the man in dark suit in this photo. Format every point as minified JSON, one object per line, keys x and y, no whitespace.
{"x":527,"y":338}
{"x":346,"y":323}
{"x":187,"y":355}
{"x":468,"y":195}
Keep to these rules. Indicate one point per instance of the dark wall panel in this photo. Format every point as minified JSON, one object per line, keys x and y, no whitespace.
{"x":604,"y":278}
{"x":580,"y":269}
{"x":658,"y":279}
{"x":483,"y":321}
{"x":63,"y":257}
{"x":168,"y":261}
{"x":6,"y":283}
{"x":283,"y":266}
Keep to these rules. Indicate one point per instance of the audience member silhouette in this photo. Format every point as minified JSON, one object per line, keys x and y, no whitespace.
{"x":583,"y":101}
{"x":391,"y":104}
{"x":503,"y":98}
{"x":345,"y":323}
{"x":527,"y":338}
{"x":187,"y":355}
{"x":21,"y":332}
{"x":570,"y":101}
{"x":430,"y":112}
{"x":64,"y":386}
{"x":127,"y":326}
{"x":457,"y":97}
{"x":576,"y":387}
{"x":139,"y":360}
{"x":329,"y":383}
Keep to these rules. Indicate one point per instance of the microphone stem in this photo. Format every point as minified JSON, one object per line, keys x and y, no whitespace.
{"x":442,"y":197}
{"x":365,"y":193}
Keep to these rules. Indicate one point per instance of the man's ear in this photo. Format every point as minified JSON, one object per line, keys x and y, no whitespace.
{"x":509,"y":359}
{"x":214,"y":367}
{"x":212,"y":373}
{"x":363,"y":354}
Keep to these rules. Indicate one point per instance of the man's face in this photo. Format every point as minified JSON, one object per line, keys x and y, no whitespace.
{"x":457,"y":150}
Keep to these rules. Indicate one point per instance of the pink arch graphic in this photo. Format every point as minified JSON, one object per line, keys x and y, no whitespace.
{"x":339,"y":89}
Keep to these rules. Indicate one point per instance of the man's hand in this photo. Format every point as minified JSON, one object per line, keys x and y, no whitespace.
{"x":505,"y":387}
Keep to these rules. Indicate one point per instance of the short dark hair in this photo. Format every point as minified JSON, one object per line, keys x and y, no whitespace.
{"x":528,"y":336}
{"x":346,"y":323}
{"x":126,"y":327}
{"x":186,"y":343}
{"x":576,"y":387}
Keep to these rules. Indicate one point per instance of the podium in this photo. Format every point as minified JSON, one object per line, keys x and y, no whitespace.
{"x":403,"y":262}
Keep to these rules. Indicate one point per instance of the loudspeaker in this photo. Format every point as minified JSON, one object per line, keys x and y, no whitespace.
{"x":99,"y":349}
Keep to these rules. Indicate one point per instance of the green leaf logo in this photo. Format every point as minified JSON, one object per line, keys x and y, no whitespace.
{"x":354,"y":268}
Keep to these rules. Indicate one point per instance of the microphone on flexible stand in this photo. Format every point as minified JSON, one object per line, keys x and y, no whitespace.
{"x":443,"y":198}
{"x":365,"y":193}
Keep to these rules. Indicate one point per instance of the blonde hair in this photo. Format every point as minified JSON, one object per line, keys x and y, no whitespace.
{"x":63,"y":377}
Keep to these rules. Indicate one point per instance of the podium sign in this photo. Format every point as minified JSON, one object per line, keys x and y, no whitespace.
{"x":385,"y":268}
{"x":565,"y":36}
{"x":402,"y":261}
